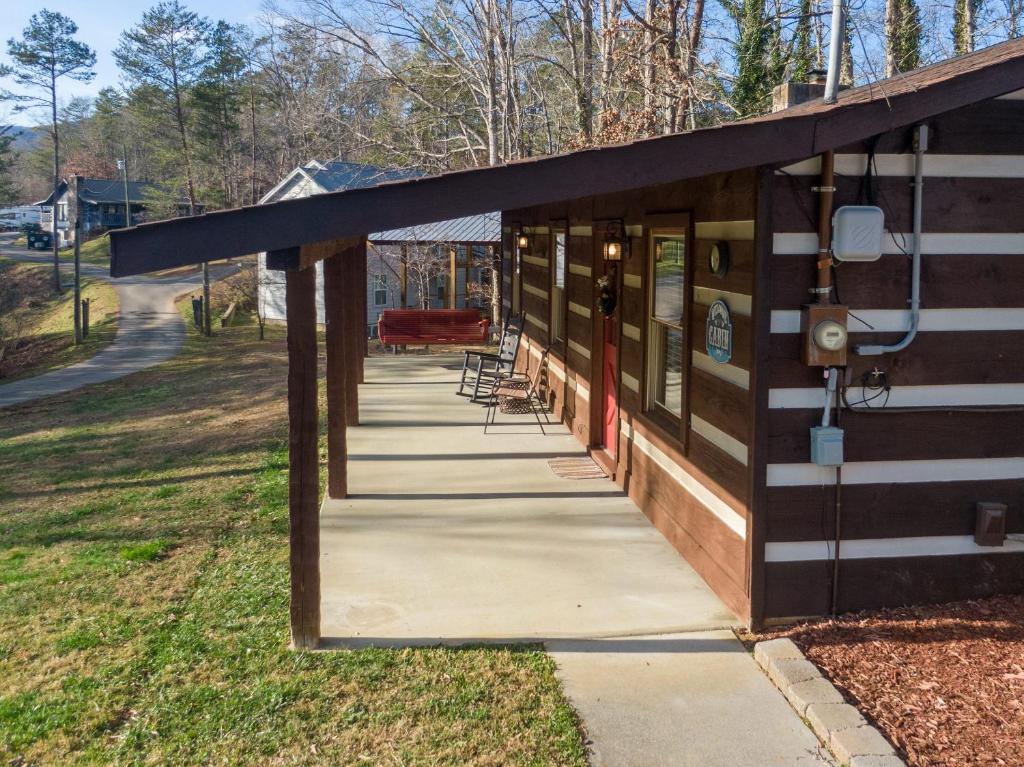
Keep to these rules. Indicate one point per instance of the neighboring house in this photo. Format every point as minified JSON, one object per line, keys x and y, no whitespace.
{"x":427,"y":250}
{"x":102,"y":205}
{"x":686,"y":289}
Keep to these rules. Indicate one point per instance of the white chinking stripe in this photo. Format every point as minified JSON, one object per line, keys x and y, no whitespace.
{"x":935,"y":165}
{"x":880,"y":548}
{"x":727,"y":444}
{"x":580,"y":269}
{"x":579,"y":348}
{"x":726,"y":372}
{"x":536,"y":320}
{"x":578,"y":387}
{"x":630,"y":331}
{"x":739,"y":303}
{"x":726,"y":513}
{"x":631,"y":383}
{"x":724,"y":230}
{"x":634,"y":230}
{"x":533,"y":290}
{"x":935,"y":244}
{"x":632,"y":280}
{"x":953,"y":395}
{"x":898,"y":320}
{"x":579,"y":309}
{"x":581,"y":231}
{"x":892,"y":472}
{"x":535,"y":260}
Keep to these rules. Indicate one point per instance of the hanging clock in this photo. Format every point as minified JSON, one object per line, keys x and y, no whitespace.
{"x":718,"y":259}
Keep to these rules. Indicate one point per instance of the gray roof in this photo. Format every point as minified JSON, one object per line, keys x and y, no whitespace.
{"x":337,"y":176}
{"x":484,"y":228}
{"x":109,"y":191}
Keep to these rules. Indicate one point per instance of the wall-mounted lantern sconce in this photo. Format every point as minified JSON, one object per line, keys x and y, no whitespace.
{"x":522,"y":241}
{"x":615,"y":242}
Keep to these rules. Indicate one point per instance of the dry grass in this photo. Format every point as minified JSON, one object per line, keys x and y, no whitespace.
{"x":46,"y":321}
{"x":144,"y":597}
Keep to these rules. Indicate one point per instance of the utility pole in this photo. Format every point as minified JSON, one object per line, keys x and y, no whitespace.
{"x":122,"y":165}
{"x":75,"y":210}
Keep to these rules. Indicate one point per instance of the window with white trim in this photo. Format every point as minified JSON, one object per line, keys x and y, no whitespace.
{"x":380,"y":290}
{"x":667,"y":336}
{"x":558,"y":269}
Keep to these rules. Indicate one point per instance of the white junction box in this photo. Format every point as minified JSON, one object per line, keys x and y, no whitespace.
{"x":858,"y":233}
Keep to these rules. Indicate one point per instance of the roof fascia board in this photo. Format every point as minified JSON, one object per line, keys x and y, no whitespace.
{"x":856,"y":122}
{"x":392,"y":205}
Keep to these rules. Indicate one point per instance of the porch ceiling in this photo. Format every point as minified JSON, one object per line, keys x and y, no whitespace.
{"x":451,"y":534}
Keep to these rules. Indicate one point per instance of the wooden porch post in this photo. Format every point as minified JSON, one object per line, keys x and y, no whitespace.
{"x":303,"y":460}
{"x":453,"y":257}
{"x":334,"y":314}
{"x":364,"y":310}
{"x":353,"y":325}
{"x":403,"y":278}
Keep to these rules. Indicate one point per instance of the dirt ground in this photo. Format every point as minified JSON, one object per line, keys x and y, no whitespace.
{"x":944,"y":683}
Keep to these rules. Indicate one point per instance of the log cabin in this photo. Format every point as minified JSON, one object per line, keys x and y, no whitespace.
{"x":795,"y":340}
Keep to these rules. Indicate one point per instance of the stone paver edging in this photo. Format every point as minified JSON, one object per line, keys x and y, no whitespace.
{"x":840,"y":726}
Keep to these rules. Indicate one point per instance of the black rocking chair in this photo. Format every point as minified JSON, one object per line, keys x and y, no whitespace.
{"x":481,"y":369}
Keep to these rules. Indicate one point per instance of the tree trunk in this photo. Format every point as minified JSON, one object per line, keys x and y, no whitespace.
{"x":890,"y":37}
{"x":56,"y":184}
{"x":588,"y":71}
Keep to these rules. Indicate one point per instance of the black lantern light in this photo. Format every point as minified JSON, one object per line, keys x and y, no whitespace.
{"x":615,"y":243}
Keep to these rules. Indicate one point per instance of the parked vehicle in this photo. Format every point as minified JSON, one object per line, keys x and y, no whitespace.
{"x":36,"y":238}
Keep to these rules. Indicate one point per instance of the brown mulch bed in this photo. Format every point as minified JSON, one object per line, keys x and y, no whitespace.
{"x":945,"y":683}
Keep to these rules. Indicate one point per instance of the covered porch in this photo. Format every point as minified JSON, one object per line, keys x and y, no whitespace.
{"x":449,"y":534}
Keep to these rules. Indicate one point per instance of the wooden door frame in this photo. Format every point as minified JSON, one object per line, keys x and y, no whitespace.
{"x":597,"y":447}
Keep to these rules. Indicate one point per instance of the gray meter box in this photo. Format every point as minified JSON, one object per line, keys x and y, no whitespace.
{"x":827,"y":445}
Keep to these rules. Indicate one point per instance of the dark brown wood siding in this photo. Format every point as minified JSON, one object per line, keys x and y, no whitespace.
{"x":952,"y":433}
{"x":652,"y":464}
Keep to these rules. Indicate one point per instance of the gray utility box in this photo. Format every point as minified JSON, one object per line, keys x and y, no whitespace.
{"x":827,"y":445}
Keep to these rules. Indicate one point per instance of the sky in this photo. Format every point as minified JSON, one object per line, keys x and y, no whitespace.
{"x":100,"y":23}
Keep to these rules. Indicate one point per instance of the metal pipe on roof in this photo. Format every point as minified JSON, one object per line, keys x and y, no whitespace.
{"x":835,"y":52}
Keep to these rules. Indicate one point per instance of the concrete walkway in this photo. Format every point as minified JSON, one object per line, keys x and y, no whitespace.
{"x":149,"y":331}
{"x":454,"y":536}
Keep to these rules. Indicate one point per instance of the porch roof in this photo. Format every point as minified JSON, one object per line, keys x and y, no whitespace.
{"x":779,"y":138}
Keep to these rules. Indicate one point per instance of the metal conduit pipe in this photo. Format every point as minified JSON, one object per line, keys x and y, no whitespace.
{"x":835,"y":53}
{"x":869,"y":350}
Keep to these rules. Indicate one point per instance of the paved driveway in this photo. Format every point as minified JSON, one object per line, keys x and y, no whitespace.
{"x":149,"y":331}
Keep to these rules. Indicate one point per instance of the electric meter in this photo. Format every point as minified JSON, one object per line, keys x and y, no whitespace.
{"x":829,"y":335}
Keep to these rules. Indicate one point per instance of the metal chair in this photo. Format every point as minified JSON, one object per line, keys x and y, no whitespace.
{"x":483,"y":368}
{"x":519,"y":389}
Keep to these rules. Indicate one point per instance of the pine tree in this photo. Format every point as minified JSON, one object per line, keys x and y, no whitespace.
{"x":47,"y":53}
{"x":164,"y":56}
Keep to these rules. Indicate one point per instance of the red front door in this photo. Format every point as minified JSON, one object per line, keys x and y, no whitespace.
{"x":610,"y":384}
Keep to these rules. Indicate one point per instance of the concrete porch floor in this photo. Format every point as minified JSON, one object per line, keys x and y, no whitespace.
{"x":455,"y":536}
{"x":451,"y":534}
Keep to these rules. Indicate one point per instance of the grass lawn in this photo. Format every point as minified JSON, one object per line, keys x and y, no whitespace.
{"x":48,"y":321}
{"x":144,"y":596}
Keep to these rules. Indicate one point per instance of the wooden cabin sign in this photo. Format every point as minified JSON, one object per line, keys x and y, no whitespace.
{"x":719,"y":335}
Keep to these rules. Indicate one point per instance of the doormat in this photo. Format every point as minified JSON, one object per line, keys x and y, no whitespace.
{"x":576,"y":468}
